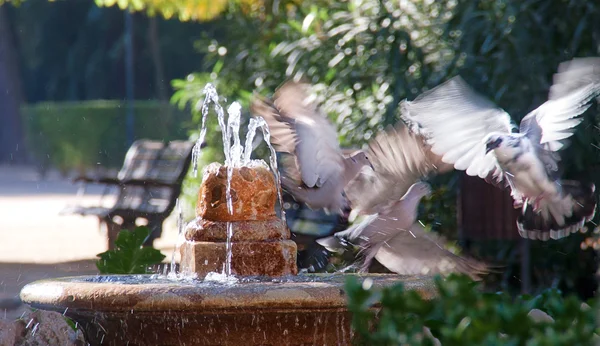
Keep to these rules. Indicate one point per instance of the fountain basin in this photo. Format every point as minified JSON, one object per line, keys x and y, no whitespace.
{"x":149,"y":310}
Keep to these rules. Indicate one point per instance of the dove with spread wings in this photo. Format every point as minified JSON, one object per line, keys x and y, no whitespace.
{"x":474,"y":135}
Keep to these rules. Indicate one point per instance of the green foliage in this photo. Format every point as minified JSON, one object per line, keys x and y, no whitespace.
{"x":87,"y":134}
{"x":462,"y":314}
{"x":129,"y":257}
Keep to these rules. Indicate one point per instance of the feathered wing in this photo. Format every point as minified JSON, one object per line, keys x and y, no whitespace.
{"x":574,"y":74}
{"x":298,"y":127}
{"x":399,"y":158}
{"x":456,"y":120}
{"x":351,"y":236}
{"x":552,"y":123}
{"x":417,"y":252}
{"x":281,"y":127}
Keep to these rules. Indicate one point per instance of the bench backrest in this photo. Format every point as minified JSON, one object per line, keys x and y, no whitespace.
{"x":156,"y":161}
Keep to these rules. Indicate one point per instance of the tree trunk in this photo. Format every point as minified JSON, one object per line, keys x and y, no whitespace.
{"x":12,"y":148}
{"x":159,"y":73}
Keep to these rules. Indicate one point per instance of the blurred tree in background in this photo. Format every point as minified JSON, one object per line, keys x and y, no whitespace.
{"x":74,"y":50}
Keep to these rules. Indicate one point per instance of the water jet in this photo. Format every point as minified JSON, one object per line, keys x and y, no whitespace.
{"x":238,"y":282}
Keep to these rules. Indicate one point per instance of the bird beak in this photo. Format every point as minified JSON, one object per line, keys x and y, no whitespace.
{"x":493,"y":145}
{"x":371,"y":165}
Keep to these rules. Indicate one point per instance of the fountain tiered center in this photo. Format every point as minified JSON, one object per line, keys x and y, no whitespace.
{"x":248,"y":241}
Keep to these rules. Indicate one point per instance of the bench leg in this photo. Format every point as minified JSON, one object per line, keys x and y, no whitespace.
{"x":112,"y":231}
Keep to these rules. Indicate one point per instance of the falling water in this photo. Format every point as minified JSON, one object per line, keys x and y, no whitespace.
{"x":235,"y":152}
{"x":228,"y":250}
{"x":255,"y":123}
{"x":180,"y":226}
{"x":210,"y":96}
{"x":233,"y":125}
{"x":236,"y":155}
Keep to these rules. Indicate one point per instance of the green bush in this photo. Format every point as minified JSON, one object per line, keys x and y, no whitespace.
{"x":87,"y":134}
{"x":462,"y":314}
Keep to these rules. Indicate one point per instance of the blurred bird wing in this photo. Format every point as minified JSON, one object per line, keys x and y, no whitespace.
{"x":314,"y":139}
{"x":552,"y":123}
{"x":456,"y":120}
{"x":399,"y":158}
{"x":574,"y":74}
{"x":417,"y":252}
{"x":549,"y":126}
{"x":281,"y":127}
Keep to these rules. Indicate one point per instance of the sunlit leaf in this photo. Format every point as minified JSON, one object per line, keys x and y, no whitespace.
{"x":129,"y":257}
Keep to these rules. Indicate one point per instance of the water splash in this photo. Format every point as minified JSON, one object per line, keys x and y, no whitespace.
{"x":220,"y":278}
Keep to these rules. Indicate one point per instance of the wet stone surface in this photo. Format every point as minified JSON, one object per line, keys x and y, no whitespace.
{"x":159,"y":310}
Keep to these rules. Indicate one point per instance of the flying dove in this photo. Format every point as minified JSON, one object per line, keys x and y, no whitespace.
{"x":318,"y":171}
{"x":399,"y":159}
{"x":390,"y":195}
{"x":476,"y":136}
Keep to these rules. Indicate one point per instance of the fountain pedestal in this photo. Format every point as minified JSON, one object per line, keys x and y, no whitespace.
{"x":260,"y":241}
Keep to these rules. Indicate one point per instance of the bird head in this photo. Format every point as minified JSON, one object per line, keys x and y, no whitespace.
{"x":506,"y":146}
{"x":493,"y":142}
{"x":361,"y":158}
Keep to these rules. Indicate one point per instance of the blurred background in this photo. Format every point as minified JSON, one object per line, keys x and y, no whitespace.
{"x":82,"y":80}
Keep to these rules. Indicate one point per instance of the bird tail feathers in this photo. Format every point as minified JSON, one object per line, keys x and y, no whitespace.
{"x":558,"y":218}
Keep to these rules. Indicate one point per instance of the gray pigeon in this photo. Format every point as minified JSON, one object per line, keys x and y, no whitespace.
{"x":399,"y":159}
{"x":318,"y":171}
{"x":476,"y":136}
{"x":390,"y":195}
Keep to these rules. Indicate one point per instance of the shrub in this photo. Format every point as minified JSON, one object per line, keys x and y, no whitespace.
{"x":87,"y":134}
{"x":462,"y":314}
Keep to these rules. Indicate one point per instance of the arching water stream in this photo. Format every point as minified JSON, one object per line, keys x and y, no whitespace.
{"x":236,"y":156}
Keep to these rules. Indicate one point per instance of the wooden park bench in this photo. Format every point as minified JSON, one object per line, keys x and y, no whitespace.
{"x":147,"y":185}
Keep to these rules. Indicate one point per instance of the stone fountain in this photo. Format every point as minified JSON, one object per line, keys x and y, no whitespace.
{"x":238,"y":285}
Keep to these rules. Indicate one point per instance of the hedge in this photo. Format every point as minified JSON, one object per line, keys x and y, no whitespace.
{"x":463,"y":314}
{"x":86,"y":134}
